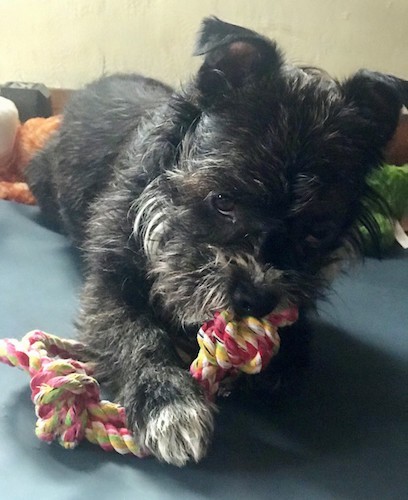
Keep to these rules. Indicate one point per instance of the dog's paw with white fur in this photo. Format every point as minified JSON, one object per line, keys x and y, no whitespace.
{"x":180,"y":432}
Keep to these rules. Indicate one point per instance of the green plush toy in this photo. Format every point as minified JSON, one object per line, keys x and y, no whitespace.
{"x":392,"y":184}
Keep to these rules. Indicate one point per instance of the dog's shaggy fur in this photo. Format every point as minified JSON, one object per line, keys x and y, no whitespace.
{"x":239,"y":191}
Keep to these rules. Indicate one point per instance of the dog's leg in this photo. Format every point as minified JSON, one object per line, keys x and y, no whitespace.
{"x":165,"y":407}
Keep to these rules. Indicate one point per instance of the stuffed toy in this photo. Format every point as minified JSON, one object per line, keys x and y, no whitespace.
{"x":18,"y":143}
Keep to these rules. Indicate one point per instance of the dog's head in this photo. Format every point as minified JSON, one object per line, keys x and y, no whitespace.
{"x":267,"y":185}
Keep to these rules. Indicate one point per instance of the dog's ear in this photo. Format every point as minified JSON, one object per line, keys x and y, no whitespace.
{"x":396,"y":151}
{"x":382,"y":101}
{"x":233,"y":55}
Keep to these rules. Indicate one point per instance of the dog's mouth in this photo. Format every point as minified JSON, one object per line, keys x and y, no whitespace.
{"x":241,"y":299}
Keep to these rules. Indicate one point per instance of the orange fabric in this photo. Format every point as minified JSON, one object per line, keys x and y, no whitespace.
{"x":34,"y":133}
{"x":16,"y":191}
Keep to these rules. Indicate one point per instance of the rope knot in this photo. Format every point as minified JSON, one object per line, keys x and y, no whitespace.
{"x":230,"y":345}
{"x":61,"y":396}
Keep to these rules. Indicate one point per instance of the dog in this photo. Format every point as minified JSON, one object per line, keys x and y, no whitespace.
{"x":242,"y":190}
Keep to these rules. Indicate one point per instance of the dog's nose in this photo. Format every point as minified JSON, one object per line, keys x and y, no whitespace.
{"x":247,"y":300}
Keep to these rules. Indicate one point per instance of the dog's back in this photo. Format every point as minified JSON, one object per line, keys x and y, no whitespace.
{"x":77,"y":162}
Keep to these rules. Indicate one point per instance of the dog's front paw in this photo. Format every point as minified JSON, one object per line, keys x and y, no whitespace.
{"x":179,"y":432}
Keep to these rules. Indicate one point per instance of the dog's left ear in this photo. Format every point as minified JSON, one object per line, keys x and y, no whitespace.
{"x":383,"y":101}
{"x":233,"y":56}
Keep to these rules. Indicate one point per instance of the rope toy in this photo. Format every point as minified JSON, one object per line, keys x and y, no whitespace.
{"x":67,"y":397}
{"x":227,"y":346}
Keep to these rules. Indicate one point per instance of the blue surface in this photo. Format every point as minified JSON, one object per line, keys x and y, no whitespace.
{"x":343,"y":437}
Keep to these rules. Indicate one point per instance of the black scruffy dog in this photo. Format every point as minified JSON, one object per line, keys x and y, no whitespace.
{"x":240,"y":191}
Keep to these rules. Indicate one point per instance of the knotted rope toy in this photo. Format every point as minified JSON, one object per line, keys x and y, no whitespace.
{"x":67,"y":397}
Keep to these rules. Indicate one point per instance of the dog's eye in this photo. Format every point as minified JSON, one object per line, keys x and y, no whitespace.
{"x":320,"y":234}
{"x":223,"y":203}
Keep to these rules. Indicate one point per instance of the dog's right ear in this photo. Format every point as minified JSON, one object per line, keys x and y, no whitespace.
{"x":383,"y":100}
{"x":396,"y":151}
{"x":233,"y":56}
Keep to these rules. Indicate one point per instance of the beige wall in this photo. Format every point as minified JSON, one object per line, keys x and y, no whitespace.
{"x":65,"y":43}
